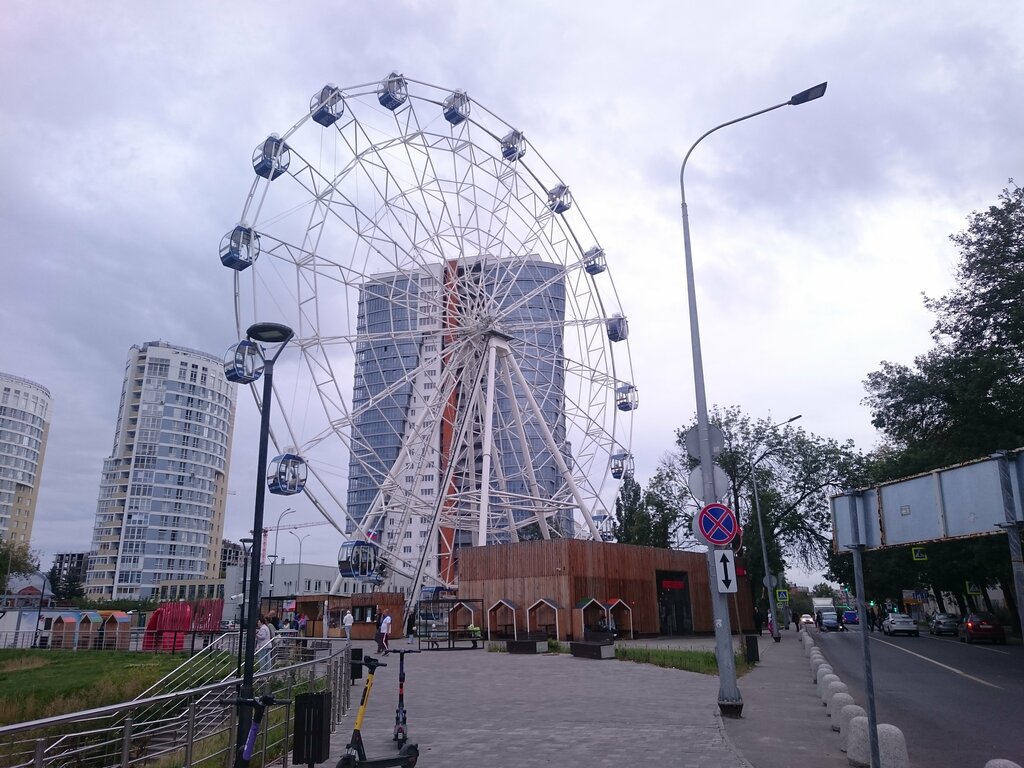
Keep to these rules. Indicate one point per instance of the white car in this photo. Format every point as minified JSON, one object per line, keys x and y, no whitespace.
{"x":896,"y":623}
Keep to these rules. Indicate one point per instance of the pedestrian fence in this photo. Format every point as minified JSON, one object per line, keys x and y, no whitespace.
{"x":180,"y":722}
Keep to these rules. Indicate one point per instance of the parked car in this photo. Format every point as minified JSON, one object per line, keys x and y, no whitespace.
{"x":829,"y":621}
{"x":981,"y":626}
{"x":941,"y":624}
{"x":896,"y":623}
{"x":850,"y":617}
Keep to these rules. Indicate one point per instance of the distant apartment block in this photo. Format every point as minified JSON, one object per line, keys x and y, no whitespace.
{"x":160,"y":512}
{"x":24,"y":425}
{"x":72,"y":565}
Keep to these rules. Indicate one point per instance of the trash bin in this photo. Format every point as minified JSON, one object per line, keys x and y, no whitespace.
{"x":753,"y":655}
{"x":311,"y":743}
{"x":357,"y":664}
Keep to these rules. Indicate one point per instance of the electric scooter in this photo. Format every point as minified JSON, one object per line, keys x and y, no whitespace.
{"x":401,"y":727}
{"x":355,"y":757}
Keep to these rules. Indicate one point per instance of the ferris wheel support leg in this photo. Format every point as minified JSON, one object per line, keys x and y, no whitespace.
{"x":531,"y":475}
{"x":549,"y":440}
{"x":485,"y":479}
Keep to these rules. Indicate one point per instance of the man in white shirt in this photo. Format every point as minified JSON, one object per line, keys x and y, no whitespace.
{"x":385,"y":630}
{"x":348,"y":621}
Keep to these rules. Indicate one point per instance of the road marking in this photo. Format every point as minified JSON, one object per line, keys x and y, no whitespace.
{"x":979,"y":647}
{"x":940,"y":664}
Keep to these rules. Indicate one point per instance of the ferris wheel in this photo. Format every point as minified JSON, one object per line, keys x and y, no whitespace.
{"x":460,"y":371}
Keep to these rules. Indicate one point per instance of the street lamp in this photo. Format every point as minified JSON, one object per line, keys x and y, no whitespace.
{"x":730,"y":703}
{"x":247,"y":553}
{"x":277,"y":536}
{"x":298,"y":576}
{"x":39,"y":615}
{"x":768,"y":576}
{"x":245,"y":363}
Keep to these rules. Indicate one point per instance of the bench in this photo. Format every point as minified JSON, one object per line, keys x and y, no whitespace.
{"x":594,"y":645}
{"x":531,"y":642}
{"x":464,"y":634}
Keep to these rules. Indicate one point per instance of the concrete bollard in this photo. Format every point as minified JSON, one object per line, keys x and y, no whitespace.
{"x":823,"y":669}
{"x":816,"y":662}
{"x":823,"y":684}
{"x":846,"y":714}
{"x":832,"y":690}
{"x":1000,"y":763}
{"x":892,"y":747}
{"x":835,"y":704}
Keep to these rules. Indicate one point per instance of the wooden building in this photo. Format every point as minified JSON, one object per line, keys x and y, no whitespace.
{"x":564,"y":586}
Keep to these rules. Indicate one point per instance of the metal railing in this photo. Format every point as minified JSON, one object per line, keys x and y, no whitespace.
{"x":193,"y":727}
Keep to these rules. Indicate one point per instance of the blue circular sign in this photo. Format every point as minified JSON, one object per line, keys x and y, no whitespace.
{"x":718,"y":524}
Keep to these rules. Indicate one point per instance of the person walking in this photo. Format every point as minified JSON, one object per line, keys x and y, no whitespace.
{"x":376,"y":633}
{"x":348,"y":621}
{"x":385,"y":630}
{"x":758,"y":621}
{"x":263,"y":638}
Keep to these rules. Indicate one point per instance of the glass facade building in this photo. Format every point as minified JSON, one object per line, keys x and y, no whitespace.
{"x":24,"y":425}
{"x":160,"y":512}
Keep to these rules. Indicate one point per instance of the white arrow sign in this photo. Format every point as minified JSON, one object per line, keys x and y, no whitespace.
{"x":725,"y":570}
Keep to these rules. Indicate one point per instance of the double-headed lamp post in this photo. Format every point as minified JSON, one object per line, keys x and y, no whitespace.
{"x":298,"y":576}
{"x":277,"y":536}
{"x":768,"y":575}
{"x":730,"y":703}
{"x":245,"y":370}
{"x":246,"y":554}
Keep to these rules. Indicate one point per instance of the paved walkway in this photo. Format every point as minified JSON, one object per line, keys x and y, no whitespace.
{"x":471,"y":708}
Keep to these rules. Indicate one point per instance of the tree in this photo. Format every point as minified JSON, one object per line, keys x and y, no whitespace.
{"x":823,"y":590}
{"x":796,"y":472}
{"x":642,"y":518}
{"x":15,"y":559}
{"x":961,"y":399}
{"x":56,"y":582}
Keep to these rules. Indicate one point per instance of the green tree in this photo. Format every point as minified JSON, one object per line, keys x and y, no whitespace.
{"x":642,"y":518}
{"x":961,"y":399}
{"x":823,"y":590}
{"x":56,"y":582}
{"x":15,"y":559}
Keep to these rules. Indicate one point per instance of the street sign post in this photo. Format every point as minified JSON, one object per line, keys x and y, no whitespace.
{"x":725,"y":561}
{"x":781,"y":595}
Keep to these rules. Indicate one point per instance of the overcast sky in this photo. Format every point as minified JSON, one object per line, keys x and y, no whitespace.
{"x":128,"y":130}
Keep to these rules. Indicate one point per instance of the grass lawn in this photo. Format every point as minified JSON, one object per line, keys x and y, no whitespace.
{"x":704,"y":662}
{"x":43,"y":683}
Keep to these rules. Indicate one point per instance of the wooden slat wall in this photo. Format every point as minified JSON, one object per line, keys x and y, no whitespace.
{"x":568,"y":571}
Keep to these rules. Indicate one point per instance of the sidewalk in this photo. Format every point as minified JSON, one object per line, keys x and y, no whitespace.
{"x":468,"y":707}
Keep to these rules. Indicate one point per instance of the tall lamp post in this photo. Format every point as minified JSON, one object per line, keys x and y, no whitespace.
{"x":244,"y":366}
{"x":768,"y":575}
{"x":277,"y":537}
{"x":39,"y":615}
{"x":730,"y":703}
{"x":298,"y":576}
{"x":247,"y":550}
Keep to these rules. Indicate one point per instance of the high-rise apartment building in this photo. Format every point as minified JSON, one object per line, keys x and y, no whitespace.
{"x":160,"y":513}
{"x":72,"y":565}
{"x":403,"y":321}
{"x":24,"y":424}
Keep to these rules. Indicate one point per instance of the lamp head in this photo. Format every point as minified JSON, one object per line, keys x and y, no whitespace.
{"x":271,"y":333}
{"x":809,"y":95}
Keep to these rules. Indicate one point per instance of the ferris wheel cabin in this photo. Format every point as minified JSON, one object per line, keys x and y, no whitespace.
{"x":271,"y":158}
{"x":359,"y":560}
{"x":286,"y":475}
{"x":393,"y":91}
{"x":626,"y":397}
{"x":559,"y":198}
{"x":594,"y":261}
{"x":239,"y":248}
{"x":327,"y":106}
{"x":617,"y":327}
{"x":456,"y":107}
{"x":513,"y":146}
{"x":621,"y":464}
{"x":243,"y":362}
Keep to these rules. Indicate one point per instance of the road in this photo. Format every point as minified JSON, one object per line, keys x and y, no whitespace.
{"x":958,"y":705}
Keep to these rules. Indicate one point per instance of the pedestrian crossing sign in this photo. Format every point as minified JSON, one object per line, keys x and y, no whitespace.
{"x":781,"y":595}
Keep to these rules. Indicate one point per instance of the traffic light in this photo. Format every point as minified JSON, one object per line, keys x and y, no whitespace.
{"x":871,"y":603}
